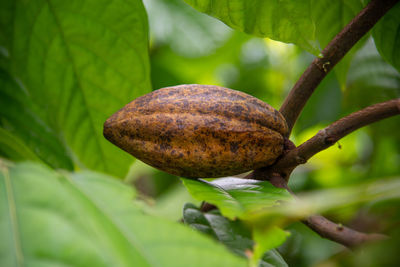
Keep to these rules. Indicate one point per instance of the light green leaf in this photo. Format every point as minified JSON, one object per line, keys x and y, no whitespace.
{"x":49,"y":218}
{"x":81,"y":61}
{"x":267,"y":239}
{"x":330,"y":17}
{"x":311,"y":24}
{"x":184,"y":30}
{"x":237,"y":197}
{"x":387,"y":37}
{"x":286,"y":21}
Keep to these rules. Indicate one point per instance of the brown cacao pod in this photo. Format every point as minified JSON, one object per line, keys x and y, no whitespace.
{"x":199,"y":131}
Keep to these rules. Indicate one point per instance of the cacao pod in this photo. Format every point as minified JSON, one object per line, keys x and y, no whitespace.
{"x":199,"y":131}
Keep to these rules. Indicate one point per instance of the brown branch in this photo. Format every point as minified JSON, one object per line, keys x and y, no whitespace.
{"x":332,"y":54}
{"x":338,"y":233}
{"x":331,"y":134}
{"x":327,"y":229}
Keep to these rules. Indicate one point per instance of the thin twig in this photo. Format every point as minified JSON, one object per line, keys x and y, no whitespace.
{"x":327,"y":229}
{"x":339,"y":233}
{"x":331,"y":55}
{"x":331,"y":134}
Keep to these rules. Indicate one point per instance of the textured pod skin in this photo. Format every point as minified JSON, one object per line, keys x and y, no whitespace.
{"x":199,"y":131}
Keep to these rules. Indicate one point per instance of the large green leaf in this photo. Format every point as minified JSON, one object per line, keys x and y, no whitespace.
{"x":311,"y":24}
{"x":386,"y":34}
{"x":286,"y":21}
{"x":50,"y":218}
{"x":237,"y":197}
{"x":80,"y":61}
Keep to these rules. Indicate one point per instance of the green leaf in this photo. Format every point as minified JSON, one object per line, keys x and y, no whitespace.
{"x":237,"y":197}
{"x":267,"y":239}
{"x":272,"y":259}
{"x":25,"y":127}
{"x":311,"y":24}
{"x":12,"y":147}
{"x":50,"y":218}
{"x":330,"y":17}
{"x":286,"y":21}
{"x":234,"y":234}
{"x":81,"y":61}
{"x":200,"y":35}
{"x":387,"y":37}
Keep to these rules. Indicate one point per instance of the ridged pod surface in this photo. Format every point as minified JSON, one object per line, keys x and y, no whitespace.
{"x":199,"y":131}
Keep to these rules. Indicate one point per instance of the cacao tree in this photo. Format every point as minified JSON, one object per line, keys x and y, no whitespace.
{"x":297,"y":164}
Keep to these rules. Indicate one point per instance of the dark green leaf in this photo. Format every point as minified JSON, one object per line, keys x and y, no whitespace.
{"x":234,"y":234}
{"x":22,"y":121}
{"x":50,"y":218}
{"x":272,"y":259}
{"x":13,"y":148}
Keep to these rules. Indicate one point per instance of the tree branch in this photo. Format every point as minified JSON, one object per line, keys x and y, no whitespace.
{"x":327,"y":229}
{"x":332,"y":54}
{"x":331,"y":134}
{"x":338,"y":233}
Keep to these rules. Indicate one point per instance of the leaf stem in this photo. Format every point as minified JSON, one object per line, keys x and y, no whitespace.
{"x":332,"y":54}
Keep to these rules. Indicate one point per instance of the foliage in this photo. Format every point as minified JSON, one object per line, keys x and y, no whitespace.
{"x":237,"y":198}
{"x":77,"y":67}
{"x":66,"y":66}
{"x":113,"y":230}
